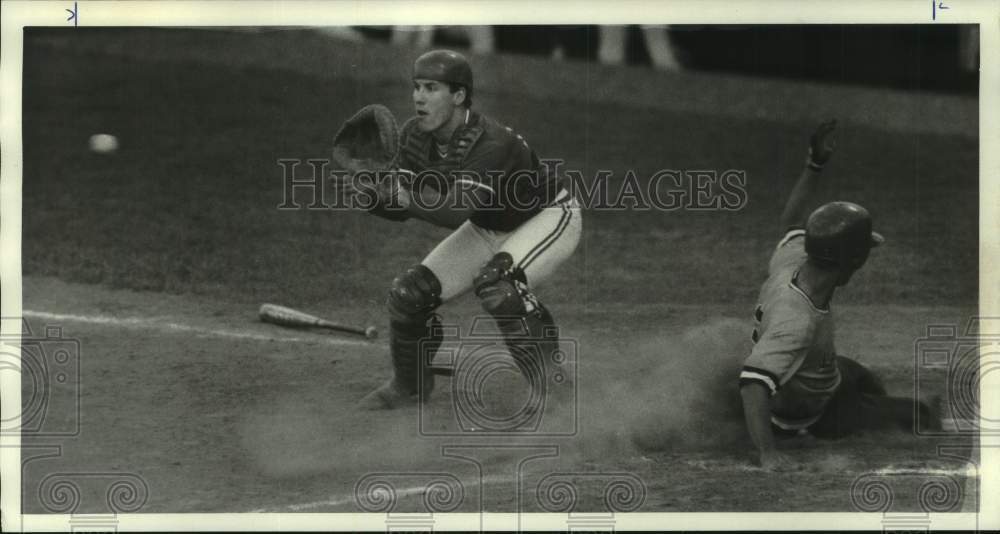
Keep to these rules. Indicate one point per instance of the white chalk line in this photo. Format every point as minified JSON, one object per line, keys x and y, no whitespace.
{"x":402,"y":492}
{"x":969,"y":470}
{"x":167,"y":326}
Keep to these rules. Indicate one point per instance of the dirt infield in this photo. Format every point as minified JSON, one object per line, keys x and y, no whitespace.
{"x":156,"y":258}
{"x":212,"y":423}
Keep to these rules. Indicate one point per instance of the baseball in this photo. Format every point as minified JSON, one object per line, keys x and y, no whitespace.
{"x":103,"y":143}
{"x":371,"y":332}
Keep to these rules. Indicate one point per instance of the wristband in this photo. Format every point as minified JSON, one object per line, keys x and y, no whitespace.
{"x":812,"y":164}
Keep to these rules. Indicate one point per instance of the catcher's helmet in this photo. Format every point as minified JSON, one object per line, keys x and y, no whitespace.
{"x":444,"y":66}
{"x":840,"y":234}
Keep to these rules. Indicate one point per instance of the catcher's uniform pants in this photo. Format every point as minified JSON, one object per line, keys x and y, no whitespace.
{"x":538,"y":247}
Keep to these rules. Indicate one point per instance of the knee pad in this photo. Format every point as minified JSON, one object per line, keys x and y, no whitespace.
{"x":502,"y":288}
{"x":502,"y":298}
{"x":414,"y":330}
{"x":527,"y":327}
{"x":414,"y":295}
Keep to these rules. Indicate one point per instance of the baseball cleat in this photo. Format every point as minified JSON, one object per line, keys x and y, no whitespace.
{"x":387,"y":397}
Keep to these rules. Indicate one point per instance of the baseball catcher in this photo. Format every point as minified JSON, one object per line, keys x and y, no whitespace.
{"x":793,"y":380}
{"x":514,"y":222}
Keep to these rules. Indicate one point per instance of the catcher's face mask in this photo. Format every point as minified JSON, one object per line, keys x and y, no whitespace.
{"x":434,"y":104}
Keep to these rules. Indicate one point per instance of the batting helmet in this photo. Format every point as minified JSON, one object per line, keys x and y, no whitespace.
{"x":840,"y":234}
{"x":445,"y":66}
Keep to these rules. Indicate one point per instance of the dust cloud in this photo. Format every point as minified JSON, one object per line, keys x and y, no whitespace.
{"x":294,"y":440}
{"x":679,"y":393}
{"x":665,"y":393}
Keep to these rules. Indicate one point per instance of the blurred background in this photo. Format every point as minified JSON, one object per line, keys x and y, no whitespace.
{"x":930,"y":57}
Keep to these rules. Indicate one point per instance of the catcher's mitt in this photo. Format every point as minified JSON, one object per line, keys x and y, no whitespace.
{"x":367,"y":141}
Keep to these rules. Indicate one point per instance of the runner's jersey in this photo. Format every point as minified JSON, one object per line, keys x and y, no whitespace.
{"x":793,"y":353}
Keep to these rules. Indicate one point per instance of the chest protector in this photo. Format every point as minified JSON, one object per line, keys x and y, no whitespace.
{"x":416,"y":147}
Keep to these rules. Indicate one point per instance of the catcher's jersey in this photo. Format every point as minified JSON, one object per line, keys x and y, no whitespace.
{"x":793,"y":353}
{"x":486,"y":154}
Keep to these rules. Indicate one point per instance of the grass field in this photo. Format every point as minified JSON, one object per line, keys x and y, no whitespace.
{"x":188,"y":205}
{"x":181,"y":226}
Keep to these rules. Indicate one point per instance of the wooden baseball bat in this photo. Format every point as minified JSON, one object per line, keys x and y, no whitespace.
{"x":284,"y":316}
